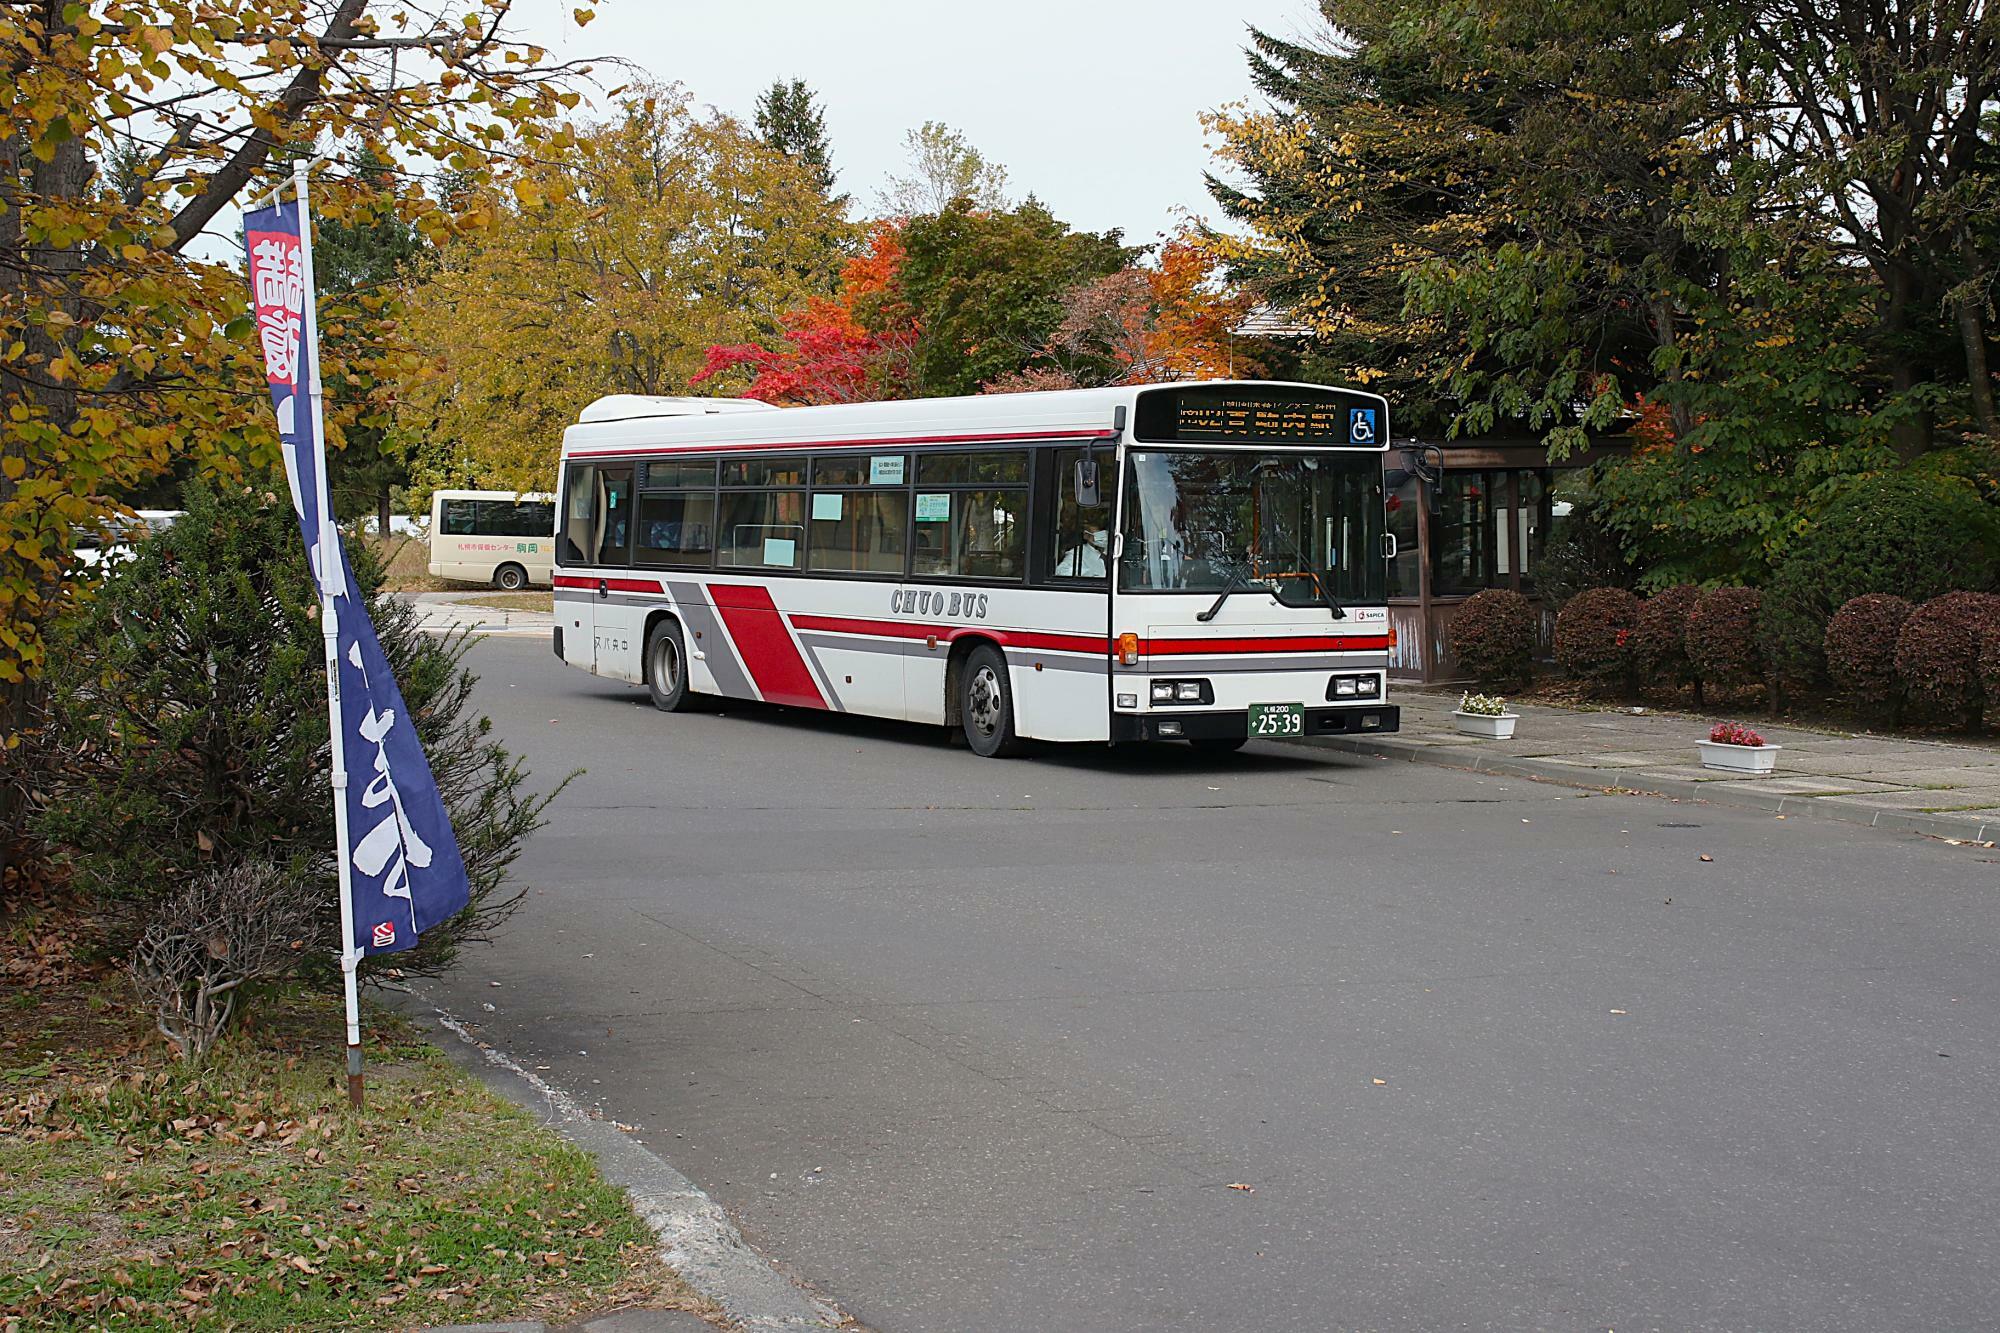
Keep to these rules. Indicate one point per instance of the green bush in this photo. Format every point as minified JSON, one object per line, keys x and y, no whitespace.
{"x":1584,"y":553}
{"x":1938,"y":655}
{"x":190,"y":706}
{"x":1861,"y":652}
{"x":1594,"y":635}
{"x":1914,"y":535}
{"x":1492,"y":637}
{"x":1659,"y":637}
{"x":1722,"y":637}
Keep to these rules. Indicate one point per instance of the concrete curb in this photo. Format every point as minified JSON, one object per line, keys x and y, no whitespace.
{"x":1965,"y":828}
{"x":697,"y":1238}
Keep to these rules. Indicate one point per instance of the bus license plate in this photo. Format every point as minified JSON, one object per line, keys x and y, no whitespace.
{"x":1277,"y":719}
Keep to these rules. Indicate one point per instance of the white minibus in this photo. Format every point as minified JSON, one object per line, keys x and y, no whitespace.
{"x":497,"y":537}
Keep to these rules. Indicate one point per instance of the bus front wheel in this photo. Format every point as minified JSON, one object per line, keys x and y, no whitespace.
{"x":510,"y":578}
{"x":986,"y":704}
{"x":666,"y":668}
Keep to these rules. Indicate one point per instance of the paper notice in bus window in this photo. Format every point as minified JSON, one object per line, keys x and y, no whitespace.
{"x":780,"y":551}
{"x":885,"y":470}
{"x":827,"y":506}
{"x":934,"y":508}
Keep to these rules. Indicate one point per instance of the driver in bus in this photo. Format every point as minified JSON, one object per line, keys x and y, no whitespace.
{"x":1085,"y":560}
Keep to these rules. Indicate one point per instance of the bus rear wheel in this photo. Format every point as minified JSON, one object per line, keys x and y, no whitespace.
{"x":986,"y":704}
{"x":510,"y":578}
{"x":666,"y":668}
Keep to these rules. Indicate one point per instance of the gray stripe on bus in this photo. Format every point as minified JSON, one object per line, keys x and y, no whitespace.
{"x":1090,"y":666}
{"x":817,"y":670}
{"x":890,"y":647}
{"x":716,"y":655}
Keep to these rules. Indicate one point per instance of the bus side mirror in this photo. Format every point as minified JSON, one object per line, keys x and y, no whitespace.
{"x":1086,"y":483}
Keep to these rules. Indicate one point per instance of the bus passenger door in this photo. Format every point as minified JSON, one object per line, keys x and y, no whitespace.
{"x":596,"y":538}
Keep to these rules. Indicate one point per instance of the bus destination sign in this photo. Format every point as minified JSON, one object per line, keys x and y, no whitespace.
{"x":1243,"y":415}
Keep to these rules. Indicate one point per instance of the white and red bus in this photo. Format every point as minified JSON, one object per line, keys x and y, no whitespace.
{"x":1202,"y":561}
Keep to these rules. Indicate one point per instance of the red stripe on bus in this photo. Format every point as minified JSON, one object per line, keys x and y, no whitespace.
{"x":1344,"y":643}
{"x":787,"y":446}
{"x":910,"y":629}
{"x":764,"y":644}
{"x":613,"y":585}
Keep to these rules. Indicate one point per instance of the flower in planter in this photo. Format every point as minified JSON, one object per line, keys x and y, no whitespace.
{"x":1734,"y":733}
{"x":1482,"y":705}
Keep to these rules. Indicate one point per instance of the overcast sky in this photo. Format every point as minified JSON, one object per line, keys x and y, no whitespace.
{"x":1092,"y":105}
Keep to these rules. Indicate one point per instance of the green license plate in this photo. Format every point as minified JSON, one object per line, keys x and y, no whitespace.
{"x":1277,"y":719}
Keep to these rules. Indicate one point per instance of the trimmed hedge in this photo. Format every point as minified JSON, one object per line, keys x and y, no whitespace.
{"x":1659,"y":637}
{"x":1918,"y":536}
{"x":1493,"y":636}
{"x":1722,"y":637}
{"x":1989,"y":667}
{"x":1938,"y":654}
{"x":1594,"y":633}
{"x":1861,"y":651}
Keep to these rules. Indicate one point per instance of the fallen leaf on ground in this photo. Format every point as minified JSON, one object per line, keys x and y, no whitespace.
{"x":1247,"y":1189}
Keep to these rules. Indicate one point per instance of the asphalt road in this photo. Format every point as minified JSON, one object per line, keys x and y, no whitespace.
{"x":987,"y":1045}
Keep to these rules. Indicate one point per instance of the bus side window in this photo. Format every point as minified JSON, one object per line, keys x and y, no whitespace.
{"x":1082,"y":533}
{"x":461,"y":518}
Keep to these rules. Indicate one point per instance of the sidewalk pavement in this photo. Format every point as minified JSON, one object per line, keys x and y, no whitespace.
{"x":445,"y":612}
{"x":1945,"y":789}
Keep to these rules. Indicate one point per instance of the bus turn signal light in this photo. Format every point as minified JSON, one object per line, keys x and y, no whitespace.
{"x":1392,"y":636}
{"x":1128,"y":649}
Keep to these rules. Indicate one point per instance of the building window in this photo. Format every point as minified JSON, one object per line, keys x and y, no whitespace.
{"x":1462,"y":535}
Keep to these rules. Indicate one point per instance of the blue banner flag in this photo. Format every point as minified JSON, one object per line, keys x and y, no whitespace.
{"x":400,"y":862}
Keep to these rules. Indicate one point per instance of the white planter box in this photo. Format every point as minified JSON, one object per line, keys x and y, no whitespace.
{"x":1756,"y":760}
{"x":1485,"y":724}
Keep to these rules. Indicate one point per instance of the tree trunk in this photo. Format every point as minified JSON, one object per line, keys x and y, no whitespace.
{"x":1912,"y":438}
{"x":1972,"y":328}
{"x":382,"y":513}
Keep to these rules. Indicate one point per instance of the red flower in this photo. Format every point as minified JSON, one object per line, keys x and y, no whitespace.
{"x":1734,"y":733}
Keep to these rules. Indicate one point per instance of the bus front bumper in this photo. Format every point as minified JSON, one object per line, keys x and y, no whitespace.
{"x":1215,"y":726}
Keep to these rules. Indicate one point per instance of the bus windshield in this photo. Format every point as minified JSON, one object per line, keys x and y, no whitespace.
{"x":1306,"y":527}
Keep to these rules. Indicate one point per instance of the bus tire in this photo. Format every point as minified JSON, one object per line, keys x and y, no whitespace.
{"x":986,"y":704}
{"x":510,"y":578}
{"x":666,"y":668}
{"x":1219,"y":744}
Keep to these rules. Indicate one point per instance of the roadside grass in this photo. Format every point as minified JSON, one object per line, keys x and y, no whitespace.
{"x":513,"y":601}
{"x":406,"y":565}
{"x":138,"y":1193}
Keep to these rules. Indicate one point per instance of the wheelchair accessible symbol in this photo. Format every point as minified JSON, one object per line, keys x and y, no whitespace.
{"x":1361,"y":425}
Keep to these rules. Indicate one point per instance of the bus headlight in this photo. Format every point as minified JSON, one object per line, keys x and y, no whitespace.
{"x":1354,"y":687}
{"x":1195,"y":691}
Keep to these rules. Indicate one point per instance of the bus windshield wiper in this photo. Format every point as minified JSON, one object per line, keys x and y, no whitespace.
{"x":1237,"y":583}
{"x":1319,"y":584}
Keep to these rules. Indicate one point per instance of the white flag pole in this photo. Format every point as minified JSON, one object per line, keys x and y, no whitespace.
{"x":326,"y":563}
